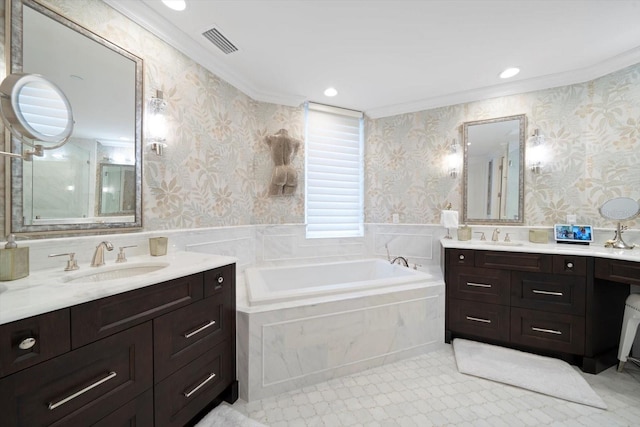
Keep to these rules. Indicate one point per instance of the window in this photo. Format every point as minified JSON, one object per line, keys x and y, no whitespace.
{"x":334,"y":172}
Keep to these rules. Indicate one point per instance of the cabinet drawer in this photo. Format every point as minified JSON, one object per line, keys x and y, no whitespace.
{"x":182,"y":395}
{"x":548,"y":292}
{"x":479,"y":284}
{"x":570,"y":265}
{"x":460,"y":257}
{"x":479,"y":319}
{"x":100,"y":318}
{"x":548,"y":331}
{"x":219,"y":280}
{"x":82,"y":386}
{"x":136,"y":413}
{"x":183,"y":335}
{"x":521,"y":261}
{"x":618,"y":271}
{"x":33,"y":340}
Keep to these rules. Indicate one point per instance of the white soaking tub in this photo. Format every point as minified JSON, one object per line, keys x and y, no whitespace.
{"x":304,"y":324}
{"x":278,"y":284}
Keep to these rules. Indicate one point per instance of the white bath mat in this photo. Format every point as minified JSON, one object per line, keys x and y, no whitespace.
{"x":224,"y":415}
{"x":545,"y":375}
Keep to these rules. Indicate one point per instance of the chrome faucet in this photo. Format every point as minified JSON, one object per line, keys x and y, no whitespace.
{"x":98,"y":255}
{"x":496,"y":235}
{"x":403,"y":261}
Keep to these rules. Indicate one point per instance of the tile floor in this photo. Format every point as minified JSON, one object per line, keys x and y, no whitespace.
{"x":429,"y":391}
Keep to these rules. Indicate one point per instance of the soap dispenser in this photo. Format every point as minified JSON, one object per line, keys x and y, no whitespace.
{"x":14,"y":261}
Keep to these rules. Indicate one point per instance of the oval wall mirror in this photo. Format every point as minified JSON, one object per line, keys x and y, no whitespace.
{"x":36,"y":109}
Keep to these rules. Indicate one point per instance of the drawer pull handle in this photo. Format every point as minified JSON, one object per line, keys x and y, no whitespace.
{"x":537,"y":291}
{"x":461,"y":257}
{"x":27,"y":343}
{"x":477,"y":319}
{"x":53,"y":406}
{"x":478,"y":285}
{"x":547,"y":331}
{"x":199,"y":386}
{"x":569,"y":265}
{"x":200,"y":329}
{"x":220,"y":279}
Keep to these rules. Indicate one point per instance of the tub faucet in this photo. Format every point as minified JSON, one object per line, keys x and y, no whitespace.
{"x":402,"y":260}
{"x":98,"y":255}
{"x":496,"y":235}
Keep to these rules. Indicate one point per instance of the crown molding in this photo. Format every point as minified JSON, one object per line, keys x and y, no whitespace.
{"x":603,"y":68}
{"x":150,"y":20}
{"x":147,"y":18}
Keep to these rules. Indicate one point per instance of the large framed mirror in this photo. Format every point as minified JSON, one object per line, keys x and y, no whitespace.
{"x":63,"y":191}
{"x":493,"y":171}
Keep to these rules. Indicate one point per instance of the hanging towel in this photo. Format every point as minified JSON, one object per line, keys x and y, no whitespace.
{"x":449,"y":219}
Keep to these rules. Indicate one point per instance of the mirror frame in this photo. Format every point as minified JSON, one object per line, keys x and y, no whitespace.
{"x":14,"y":174}
{"x":522,"y":122}
{"x":99,"y":182}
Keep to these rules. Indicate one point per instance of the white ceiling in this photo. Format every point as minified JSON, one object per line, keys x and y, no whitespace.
{"x":388,"y":57}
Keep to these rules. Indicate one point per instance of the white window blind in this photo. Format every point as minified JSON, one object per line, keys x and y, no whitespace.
{"x":334,"y":172}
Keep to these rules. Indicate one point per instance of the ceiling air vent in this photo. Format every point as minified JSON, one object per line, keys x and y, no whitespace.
{"x":223,"y":43}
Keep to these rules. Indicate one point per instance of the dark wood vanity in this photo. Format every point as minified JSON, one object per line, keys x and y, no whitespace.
{"x":564,"y":306}
{"x":160,"y":355}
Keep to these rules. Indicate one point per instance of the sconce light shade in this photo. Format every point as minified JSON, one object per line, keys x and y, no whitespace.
{"x":453,"y":159}
{"x":536,"y":152}
{"x":157,"y":123}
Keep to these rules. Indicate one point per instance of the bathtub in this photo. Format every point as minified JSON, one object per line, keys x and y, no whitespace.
{"x":303,"y":324}
{"x":278,"y":284}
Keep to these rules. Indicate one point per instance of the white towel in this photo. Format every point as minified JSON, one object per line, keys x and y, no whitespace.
{"x":449,"y":219}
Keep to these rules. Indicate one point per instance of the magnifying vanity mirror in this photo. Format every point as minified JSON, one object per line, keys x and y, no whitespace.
{"x":36,"y":112}
{"x":493,"y":171}
{"x":619,"y":209}
{"x":64,"y":190}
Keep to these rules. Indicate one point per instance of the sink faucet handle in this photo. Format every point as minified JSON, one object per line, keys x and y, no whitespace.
{"x":121,"y":255}
{"x":72,"y":263}
{"x":507,"y":238}
{"x":482,"y":236}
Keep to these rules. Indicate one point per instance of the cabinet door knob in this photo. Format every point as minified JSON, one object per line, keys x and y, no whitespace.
{"x":569,"y":265}
{"x":461,"y":257}
{"x":220,"y":279}
{"x":27,"y":343}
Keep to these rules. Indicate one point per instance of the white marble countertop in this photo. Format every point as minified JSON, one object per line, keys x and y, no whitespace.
{"x":594,"y":249}
{"x":47,"y":290}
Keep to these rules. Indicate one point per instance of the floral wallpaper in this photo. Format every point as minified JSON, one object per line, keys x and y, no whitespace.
{"x":217,"y":167}
{"x":592,"y":131}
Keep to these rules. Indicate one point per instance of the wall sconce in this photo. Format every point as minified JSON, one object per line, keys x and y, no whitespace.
{"x":536,"y":153}
{"x":453,"y":159}
{"x":157,"y":123}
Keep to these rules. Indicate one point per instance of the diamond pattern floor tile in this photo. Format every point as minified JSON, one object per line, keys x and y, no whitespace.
{"x":429,"y":391}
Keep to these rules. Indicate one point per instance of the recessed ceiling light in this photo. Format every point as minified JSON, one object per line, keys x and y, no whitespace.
{"x":175,"y":4}
{"x":331,"y":91}
{"x":509,"y":72}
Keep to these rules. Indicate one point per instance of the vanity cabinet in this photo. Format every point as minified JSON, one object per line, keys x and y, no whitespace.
{"x":535,"y":302}
{"x":160,"y":355}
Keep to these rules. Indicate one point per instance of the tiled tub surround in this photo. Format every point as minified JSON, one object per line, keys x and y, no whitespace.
{"x":291,"y":344}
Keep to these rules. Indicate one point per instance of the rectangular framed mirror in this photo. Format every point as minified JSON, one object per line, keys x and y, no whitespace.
{"x":493,"y":171}
{"x":61,"y":192}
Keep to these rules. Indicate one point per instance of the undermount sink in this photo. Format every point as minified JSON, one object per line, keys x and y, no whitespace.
{"x":113,"y":272}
